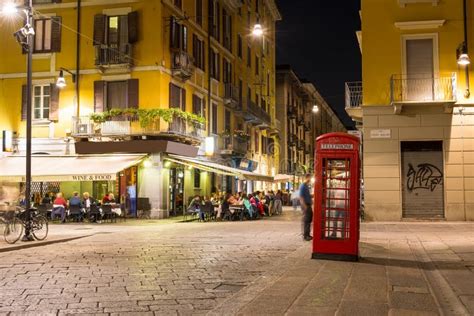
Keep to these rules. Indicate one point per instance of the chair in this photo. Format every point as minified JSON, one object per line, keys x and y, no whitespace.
{"x":75,"y":213}
{"x":190,"y":211}
{"x":209,"y":211}
{"x":94,"y":213}
{"x":107,"y":213}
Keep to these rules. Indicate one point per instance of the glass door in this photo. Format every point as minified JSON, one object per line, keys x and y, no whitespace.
{"x":336,"y":199}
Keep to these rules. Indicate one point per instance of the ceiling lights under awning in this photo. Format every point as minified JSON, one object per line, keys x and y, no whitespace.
{"x":215,"y":167}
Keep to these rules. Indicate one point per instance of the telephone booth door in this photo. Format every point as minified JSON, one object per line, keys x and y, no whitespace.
{"x":336,"y":207}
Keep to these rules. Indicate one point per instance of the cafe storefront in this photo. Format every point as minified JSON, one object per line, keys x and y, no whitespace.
{"x":96,"y":174}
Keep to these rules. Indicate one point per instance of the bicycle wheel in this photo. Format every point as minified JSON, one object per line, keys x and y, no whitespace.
{"x":39,"y":227}
{"x":13,"y":230}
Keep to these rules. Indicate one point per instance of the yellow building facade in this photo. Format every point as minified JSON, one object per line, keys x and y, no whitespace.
{"x":149,"y":56}
{"x":415,"y":108}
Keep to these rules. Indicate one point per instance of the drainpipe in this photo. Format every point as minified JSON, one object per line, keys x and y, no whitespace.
{"x":78,"y":56}
{"x":467,"y":93}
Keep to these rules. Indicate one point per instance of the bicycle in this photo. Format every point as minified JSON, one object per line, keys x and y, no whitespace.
{"x":18,"y":221}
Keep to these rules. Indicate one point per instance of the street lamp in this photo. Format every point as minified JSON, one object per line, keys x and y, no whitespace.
{"x":315,"y":109}
{"x":61,"y":82}
{"x":25,"y":37}
{"x":257,"y":30}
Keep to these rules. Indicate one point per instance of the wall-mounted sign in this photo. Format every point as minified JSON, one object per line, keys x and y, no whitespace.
{"x":337,"y":146}
{"x":381,"y":133}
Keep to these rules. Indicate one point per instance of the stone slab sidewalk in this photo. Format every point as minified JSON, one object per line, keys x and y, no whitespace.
{"x":405,"y":269}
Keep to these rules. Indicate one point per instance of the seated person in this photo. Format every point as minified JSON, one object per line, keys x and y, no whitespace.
{"x":59,"y":207}
{"x":75,"y":200}
{"x":196,"y":206}
{"x":46,"y":199}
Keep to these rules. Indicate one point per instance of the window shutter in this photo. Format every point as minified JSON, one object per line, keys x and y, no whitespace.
{"x":174,"y":96}
{"x":99,"y":96}
{"x":56,"y":25}
{"x":173,"y":32}
{"x":133,"y":27}
{"x":183,"y":99}
{"x":23,"y":102}
{"x":99,"y":29}
{"x":184,"y":38}
{"x":132,"y":93}
{"x":54,"y":103}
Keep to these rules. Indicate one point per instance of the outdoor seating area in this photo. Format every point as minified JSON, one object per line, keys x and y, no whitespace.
{"x":234,"y":207}
{"x":78,"y":209}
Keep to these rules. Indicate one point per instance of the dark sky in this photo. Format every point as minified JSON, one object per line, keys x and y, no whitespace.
{"x":317,"y":38}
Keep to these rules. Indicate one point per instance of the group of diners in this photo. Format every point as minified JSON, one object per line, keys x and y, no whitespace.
{"x":240,"y":205}
{"x":78,"y":208}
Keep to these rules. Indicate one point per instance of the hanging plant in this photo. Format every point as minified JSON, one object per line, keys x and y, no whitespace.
{"x":147,"y":117}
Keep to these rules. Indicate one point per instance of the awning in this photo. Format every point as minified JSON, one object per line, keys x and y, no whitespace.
{"x":67,"y":168}
{"x":284,"y":178}
{"x":215,"y":167}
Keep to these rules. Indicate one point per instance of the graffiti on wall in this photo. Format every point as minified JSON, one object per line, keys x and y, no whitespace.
{"x":426,"y":177}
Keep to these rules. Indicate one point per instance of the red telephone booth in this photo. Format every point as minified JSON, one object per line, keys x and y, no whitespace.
{"x":336,"y":194}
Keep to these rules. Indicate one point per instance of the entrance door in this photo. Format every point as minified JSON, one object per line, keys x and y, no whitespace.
{"x":422,"y":179}
{"x":176,"y":192}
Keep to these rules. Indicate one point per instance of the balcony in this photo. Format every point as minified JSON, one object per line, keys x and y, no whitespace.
{"x":292,"y":112}
{"x":308,"y":150}
{"x":130,"y":128}
{"x":113,"y":56}
{"x":354,"y":100}
{"x":422,"y":90}
{"x":256,"y":115}
{"x":307,"y":127}
{"x":301,"y":145}
{"x":301,"y":121}
{"x":275,"y":127}
{"x":231,"y":97}
{"x":233,"y":145}
{"x":292,"y":140}
{"x":182,"y":65}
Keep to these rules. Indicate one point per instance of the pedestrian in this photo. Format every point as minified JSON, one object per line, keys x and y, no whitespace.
{"x":306,"y":202}
{"x":295,"y":199}
{"x":277,"y":206}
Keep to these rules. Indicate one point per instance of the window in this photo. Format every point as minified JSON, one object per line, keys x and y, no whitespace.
{"x":197,"y":178}
{"x":227,"y":71}
{"x":215,"y":65}
{"x":178,"y":3}
{"x":199,"y":14}
{"x":41,"y":102}
{"x":198,"y":52}
{"x":249,"y":57}
{"x":198,"y":106}
{"x":257,"y":148}
{"x":257,"y":65}
{"x":227,"y":126}
{"x":47,"y":35}
{"x":122,"y":94}
{"x":239,"y":46}
{"x":178,"y":35}
{"x":113,"y":36}
{"x":214,"y":11}
{"x":177,"y":97}
{"x":214,"y":119}
{"x":227,"y":30}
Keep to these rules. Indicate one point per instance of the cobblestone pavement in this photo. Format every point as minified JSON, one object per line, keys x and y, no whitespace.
{"x":247,"y":268}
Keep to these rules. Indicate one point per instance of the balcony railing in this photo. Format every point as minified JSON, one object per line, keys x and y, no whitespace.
{"x":353,"y":94}
{"x":423,"y":88}
{"x":256,"y":114}
{"x":182,"y":65}
{"x":130,"y":127}
{"x":307,"y":127}
{"x":292,"y":112}
{"x":301,"y":144}
{"x":292,"y":140}
{"x":108,"y":55}
{"x":231,"y":96}
{"x":232,"y":145}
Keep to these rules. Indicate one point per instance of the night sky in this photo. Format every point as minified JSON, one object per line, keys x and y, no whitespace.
{"x":317,"y":38}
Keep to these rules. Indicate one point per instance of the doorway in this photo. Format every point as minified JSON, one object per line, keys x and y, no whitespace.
{"x":422,"y":179}
{"x":176,"y":192}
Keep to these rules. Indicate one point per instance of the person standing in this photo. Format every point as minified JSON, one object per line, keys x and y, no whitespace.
{"x":306,"y":202}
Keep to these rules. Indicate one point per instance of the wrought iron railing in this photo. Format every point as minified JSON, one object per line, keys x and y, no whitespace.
{"x":231,"y":94}
{"x":234,"y":144}
{"x":106,"y":55}
{"x":353,"y":94}
{"x":423,"y":88}
{"x":258,"y":112}
{"x":121,"y":127}
{"x":182,"y":64}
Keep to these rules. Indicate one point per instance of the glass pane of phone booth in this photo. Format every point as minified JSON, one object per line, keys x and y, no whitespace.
{"x":336,"y":199}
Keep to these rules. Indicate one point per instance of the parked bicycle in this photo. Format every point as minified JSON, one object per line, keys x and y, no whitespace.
{"x":16,"y":222}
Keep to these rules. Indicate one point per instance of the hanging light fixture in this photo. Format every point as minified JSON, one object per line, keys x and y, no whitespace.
{"x":61,"y":82}
{"x":257,"y":30}
{"x":315,"y":108}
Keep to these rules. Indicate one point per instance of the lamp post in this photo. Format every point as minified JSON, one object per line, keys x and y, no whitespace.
{"x":25,"y":37}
